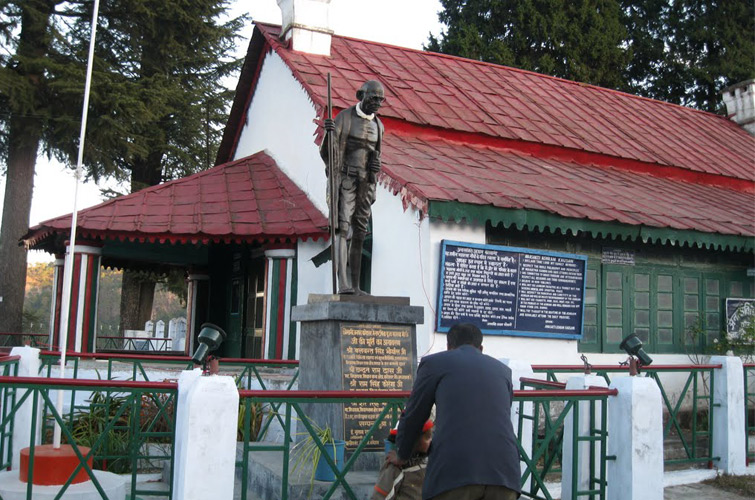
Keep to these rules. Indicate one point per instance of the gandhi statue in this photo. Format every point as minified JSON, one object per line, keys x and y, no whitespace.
{"x":357,"y":135}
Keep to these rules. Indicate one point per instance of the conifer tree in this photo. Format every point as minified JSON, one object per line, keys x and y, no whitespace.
{"x":681,"y":51}
{"x":578,"y":40}
{"x":157,"y":101}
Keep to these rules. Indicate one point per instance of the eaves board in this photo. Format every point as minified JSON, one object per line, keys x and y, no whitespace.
{"x":540,"y":221}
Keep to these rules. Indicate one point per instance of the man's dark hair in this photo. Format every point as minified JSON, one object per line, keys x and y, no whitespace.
{"x":462,"y":334}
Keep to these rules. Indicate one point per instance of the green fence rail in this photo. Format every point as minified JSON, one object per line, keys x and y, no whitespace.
{"x":749,"y":374}
{"x":8,"y":368}
{"x":693,"y":434}
{"x":121,"y":424}
{"x":287,"y":407}
{"x":111,"y":365}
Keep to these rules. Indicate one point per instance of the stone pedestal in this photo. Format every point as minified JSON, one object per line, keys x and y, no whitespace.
{"x":355,"y":343}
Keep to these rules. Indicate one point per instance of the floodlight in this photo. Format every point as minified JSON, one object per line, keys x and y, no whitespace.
{"x":210,"y":338}
{"x":632,"y":345}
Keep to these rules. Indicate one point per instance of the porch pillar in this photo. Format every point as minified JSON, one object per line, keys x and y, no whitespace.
{"x":197,"y":292}
{"x":280,"y":334}
{"x":82,"y":313}
{"x":55,"y":301}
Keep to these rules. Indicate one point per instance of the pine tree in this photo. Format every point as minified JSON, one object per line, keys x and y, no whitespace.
{"x":681,"y":51}
{"x":579,"y":40}
{"x":156,"y":106}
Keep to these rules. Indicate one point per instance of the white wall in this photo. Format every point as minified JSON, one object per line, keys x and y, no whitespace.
{"x":401,"y":261}
{"x":439,"y":231}
{"x":280,"y":120}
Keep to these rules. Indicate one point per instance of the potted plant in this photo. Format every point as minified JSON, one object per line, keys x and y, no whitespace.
{"x":307,"y":455}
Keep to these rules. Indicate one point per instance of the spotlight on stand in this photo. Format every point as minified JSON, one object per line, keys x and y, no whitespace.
{"x":210,"y":338}
{"x":638,"y":358}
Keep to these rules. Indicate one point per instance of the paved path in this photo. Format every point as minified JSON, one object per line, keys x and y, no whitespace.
{"x":698,"y":491}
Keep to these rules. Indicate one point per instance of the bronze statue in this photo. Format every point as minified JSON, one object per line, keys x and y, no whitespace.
{"x":356,"y":135}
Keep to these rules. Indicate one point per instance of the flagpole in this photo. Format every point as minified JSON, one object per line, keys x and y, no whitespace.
{"x":70,"y":252}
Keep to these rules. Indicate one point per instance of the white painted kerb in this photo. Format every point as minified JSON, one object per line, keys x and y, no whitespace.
{"x":205,"y":460}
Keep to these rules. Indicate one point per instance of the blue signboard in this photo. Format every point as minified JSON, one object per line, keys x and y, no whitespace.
{"x":511,"y":291}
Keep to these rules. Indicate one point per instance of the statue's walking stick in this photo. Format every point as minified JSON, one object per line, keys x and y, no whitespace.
{"x":333,"y":202}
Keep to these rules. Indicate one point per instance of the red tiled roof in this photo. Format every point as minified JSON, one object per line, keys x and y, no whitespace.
{"x":241,"y":201}
{"x":436,"y":90}
{"x":482,"y":134}
{"x":442,"y":170}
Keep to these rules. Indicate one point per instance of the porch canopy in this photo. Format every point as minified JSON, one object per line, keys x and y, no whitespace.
{"x":245,"y":201}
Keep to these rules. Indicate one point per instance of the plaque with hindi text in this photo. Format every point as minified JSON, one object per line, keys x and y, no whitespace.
{"x":511,"y":291}
{"x":373,"y":358}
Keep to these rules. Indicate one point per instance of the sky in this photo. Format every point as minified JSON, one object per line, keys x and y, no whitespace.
{"x":407,"y":23}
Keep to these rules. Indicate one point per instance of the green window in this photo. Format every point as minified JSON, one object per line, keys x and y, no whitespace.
{"x":591,"y":325}
{"x":672,"y":309}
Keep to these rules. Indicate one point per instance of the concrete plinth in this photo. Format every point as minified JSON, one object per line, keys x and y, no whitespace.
{"x":635,"y":439}
{"x":207,"y":412}
{"x":355,"y":343}
{"x":729,"y":426}
{"x":114,"y":486}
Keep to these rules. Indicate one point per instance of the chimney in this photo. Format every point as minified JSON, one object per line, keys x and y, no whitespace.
{"x":306,"y":25}
{"x":740,"y":104}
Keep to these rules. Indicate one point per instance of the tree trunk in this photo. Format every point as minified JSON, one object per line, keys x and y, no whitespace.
{"x":24,"y":136}
{"x":137,"y":294}
{"x":138,"y":291}
{"x":19,"y":186}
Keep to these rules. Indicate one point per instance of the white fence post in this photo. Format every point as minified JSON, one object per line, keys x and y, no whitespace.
{"x":635,"y":440}
{"x":579,"y":382}
{"x":206,"y":423}
{"x":28,"y":366}
{"x":729,"y":430}
{"x":521,"y":369}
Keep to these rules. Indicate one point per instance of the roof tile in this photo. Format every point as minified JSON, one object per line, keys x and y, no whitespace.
{"x":228,"y":200}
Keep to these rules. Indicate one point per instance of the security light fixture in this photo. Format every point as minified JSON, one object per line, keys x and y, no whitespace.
{"x":210,"y":338}
{"x":632,"y":345}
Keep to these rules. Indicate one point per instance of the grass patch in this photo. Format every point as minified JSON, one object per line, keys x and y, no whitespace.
{"x":741,"y":485}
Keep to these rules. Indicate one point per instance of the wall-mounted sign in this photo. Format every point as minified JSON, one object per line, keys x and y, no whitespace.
{"x":740,"y":315}
{"x":511,"y":291}
{"x":617,"y":256}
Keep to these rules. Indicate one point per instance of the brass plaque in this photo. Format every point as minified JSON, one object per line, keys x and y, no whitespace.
{"x":373,"y":358}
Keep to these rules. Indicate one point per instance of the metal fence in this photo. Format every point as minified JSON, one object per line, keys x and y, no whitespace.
{"x":120,"y":422}
{"x":287,"y":407}
{"x":245,"y":370}
{"x":8,"y":368}
{"x":694,"y":434}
